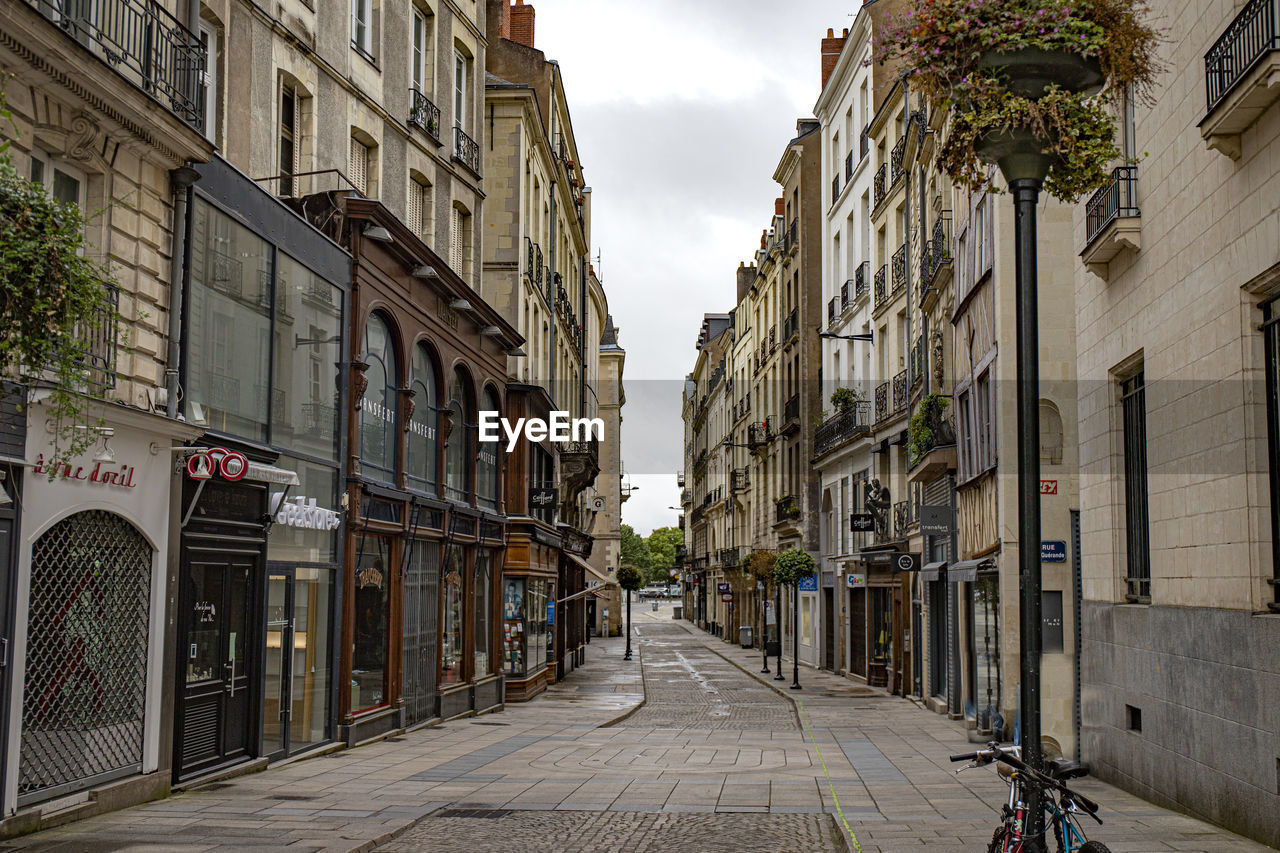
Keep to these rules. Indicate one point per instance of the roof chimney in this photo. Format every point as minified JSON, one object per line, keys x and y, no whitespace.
{"x":831,"y":47}
{"x":522,"y":23}
{"x":779,"y":207}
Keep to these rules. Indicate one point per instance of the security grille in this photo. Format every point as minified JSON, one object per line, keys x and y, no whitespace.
{"x":421,"y":609}
{"x":1133,"y":397}
{"x":86,"y":667}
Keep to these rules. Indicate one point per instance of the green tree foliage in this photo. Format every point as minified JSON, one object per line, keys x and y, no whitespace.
{"x":792,"y":566}
{"x":635,"y":550}
{"x":662,"y":544}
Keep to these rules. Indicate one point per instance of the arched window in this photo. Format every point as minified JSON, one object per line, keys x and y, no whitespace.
{"x":458,"y":455}
{"x":378,"y":406}
{"x":1050,"y":434}
{"x":423,"y":456}
{"x":488,"y":469}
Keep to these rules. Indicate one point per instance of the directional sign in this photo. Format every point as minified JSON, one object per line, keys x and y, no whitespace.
{"x":1053,"y":551}
{"x":862,"y":522}
{"x":906,"y":562}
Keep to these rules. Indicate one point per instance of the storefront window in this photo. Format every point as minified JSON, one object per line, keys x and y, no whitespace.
{"x":229,"y":326}
{"x":312,"y":606}
{"x":454,"y":595}
{"x":881,"y":625}
{"x":369,"y":658}
{"x":306,"y":517}
{"x":984,"y":648}
{"x":458,"y":454}
{"x":378,"y":406}
{"x":538,"y":642}
{"x":308,"y":349}
{"x":421,"y":623}
{"x":487,"y":468}
{"x":513,"y":633}
{"x":482,"y":600}
{"x":423,"y":424}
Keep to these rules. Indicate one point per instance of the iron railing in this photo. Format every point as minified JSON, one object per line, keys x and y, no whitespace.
{"x":900,"y":269}
{"x":917,"y":360}
{"x":835,"y":188}
{"x":787,"y":509}
{"x":758,"y":434}
{"x":97,"y":342}
{"x":882,"y":292}
{"x":940,"y":244}
{"x":791,"y":409}
{"x":727,"y":557}
{"x":862,"y":279}
{"x":739,"y":480}
{"x":1250,"y":36}
{"x":1117,"y":200}
{"x":791,"y":325}
{"x":900,"y":387}
{"x":879,"y":185}
{"x":864,"y":143}
{"x":903,"y":517}
{"x":465,"y":150}
{"x":144,"y":44}
{"x":831,"y":311}
{"x":882,"y":401}
{"x":793,"y":233}
{"x":424,"y":113}
{"x":773,"y":338}
{"x":846,"y":294}
{"x":896,"y":158}
{"x":842,"y":427}
{"x":848,"y":167}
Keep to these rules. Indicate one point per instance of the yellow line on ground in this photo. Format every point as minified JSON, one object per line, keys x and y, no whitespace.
{"x":805,"y":720}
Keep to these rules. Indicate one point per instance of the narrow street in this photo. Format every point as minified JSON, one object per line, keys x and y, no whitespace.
{"x":714,"y":759}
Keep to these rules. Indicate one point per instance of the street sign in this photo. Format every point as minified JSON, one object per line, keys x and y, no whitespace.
{"x":936,"y":520}
{"x":672,"y":572}
{"x":722,"y":588}
{"x":809,"y":584}
{"x":862,"y":522}
{"x":1048,"y":487}
{"x":727,"y":596}
{"x":1053,"y":551}
{"x":856,"y":581}
{"x":906,"y":562}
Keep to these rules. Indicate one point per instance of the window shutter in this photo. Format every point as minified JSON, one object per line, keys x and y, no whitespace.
{"x":455,"y":240}
{"x":413,"y":215}
{"x":359,"y":165}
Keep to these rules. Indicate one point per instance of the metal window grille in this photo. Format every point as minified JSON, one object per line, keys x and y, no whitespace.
{"x":86,"y":668}
{"x":1137,"y":532}
{"x":422,"y":607}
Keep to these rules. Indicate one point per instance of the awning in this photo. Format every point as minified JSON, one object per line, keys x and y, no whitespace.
{"x":878,"y":554}
{"x":931,"y":571}
{"x":270,"y":474}
{"x":592,"y":571}
{"x":967,"y":570}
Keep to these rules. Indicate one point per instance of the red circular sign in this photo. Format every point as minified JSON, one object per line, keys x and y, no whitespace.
{"x":233,"y":465}
{"x":199,"y":467}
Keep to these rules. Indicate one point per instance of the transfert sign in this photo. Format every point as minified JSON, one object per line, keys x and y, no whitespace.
{"x":936,"y":520}
{"x":1053,"y":551}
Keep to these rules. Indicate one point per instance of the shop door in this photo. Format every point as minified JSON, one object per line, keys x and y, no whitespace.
{"x":217,"y":690}
{"x":276,"y":672}
{"x":829,"y":629}
{"x":296,"y":682}
{"x":901,"y":640}
{"x":858,"y":632}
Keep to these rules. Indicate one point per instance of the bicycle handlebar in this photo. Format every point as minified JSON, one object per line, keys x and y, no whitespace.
{"x":1008,"y":755}
{"x":967,"y":756}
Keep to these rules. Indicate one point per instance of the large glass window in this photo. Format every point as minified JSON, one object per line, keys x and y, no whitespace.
{"x":984,"y":648}
{"x":378,"y":406}
{"x":451,"y":630}
{"x":229,"y":327}
{"x":881,"y":625}
{"x":372,"y":593}
{"x":307,"y":354}
{"x":482,"y":600}
{"x":513,"y":627}
{"x":312,"y":593}
{"x":422,"y":426}
{"x":421,"y":627}
{"x":458,"y":454}
{"x":487,"y":467}
{"x":306,"y":518}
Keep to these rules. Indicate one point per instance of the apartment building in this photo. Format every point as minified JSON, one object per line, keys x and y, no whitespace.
{"x":1177,"y":353}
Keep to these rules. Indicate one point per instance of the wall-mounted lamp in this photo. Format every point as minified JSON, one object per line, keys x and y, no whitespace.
{"x":377,"y":232}
{"x":518,"y":352}
{"x":426,"y":271}
{"x":491,"y":331}
{"x":460,"y":304}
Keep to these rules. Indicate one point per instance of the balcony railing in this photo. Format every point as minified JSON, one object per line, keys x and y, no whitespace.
{"x":787,"y":509}
{"x":791,"y":409}
{"x":848,"y":167}
{"x":897,"y":156}
{"x":882,"y":401}
{"x":739,"y":480}
{"x":1252,"y":34}
{"x":900,"y":269}
{"x":1117,"y":200}
{"x":727,"y":557}
{"x":842,"y":427}
{"x":903,"y":517}
{"x":831,"y":311}
{"x":846,"y":294}
{"x":864,"y":143}
{"x":835,"y":188}
{"x":882,"y":290}
{"x":791,"y":325}
{"x":862,"y":279}
{"x":465,"y":150}
{"x":793,"y":234}
{"x":424,"y":114}
{"x":96,"y":343}
{"x":758,"y":434}
{"x":939,"y":246}
{"x":879,"y":185}
{"x":773,"y":338}
{"x":144,"y":44}
{"x":900,"y":387}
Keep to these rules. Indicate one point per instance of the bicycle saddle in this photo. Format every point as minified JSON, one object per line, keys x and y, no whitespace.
{"x":1063,"y":769}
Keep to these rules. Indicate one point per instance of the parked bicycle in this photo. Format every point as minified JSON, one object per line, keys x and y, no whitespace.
{"x":1063,"y":807}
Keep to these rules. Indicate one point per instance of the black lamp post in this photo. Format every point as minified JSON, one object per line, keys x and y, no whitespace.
{"x":795,"y":636}
{"x":764,"y":626}
{"x":627,"y":656}
{"x":777,"y":609}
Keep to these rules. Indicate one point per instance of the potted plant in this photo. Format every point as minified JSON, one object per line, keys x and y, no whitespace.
{"x":844,"y":399}
{"x":927,"y":429}
{"x":1021,"y":81}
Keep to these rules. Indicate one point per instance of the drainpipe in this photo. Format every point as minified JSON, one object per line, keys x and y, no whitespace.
{"x":181,"y":180}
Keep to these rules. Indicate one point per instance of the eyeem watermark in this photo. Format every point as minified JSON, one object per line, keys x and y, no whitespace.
{"x":561,"y":428}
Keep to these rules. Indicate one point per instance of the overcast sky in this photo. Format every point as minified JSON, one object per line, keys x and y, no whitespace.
{"x":682,"y":110}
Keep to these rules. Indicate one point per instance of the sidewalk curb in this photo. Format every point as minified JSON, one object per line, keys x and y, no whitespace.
{"x":644,"y":696}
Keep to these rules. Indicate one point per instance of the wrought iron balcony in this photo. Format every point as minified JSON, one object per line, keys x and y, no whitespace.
{"x":831,"y":311}
{"x":791,"y":410}
{"x":903,"y":517}
{"x":787,"y":509}
{"x":900,"y":396}
{"x":680,"y":479}
{"x":848,"y":167}
{"x":424,"y":113}
{"x":758,"y":434}
{"x":739,"y":480}
{"x":864,"y":143}
{"x":537,"y":270}
{"x":96,"y":343}
{"x":881,"y":288}
{"x":465,"y":150}
{"x":144,"y":44}
{"x":1253,"y":33}
{"x":882,"y":401}
{"x":937,"y":252}
{"x":842,"y":427}
{"x":862,"y":279}
{"x":846,"y":294}
{"x":900,"y":269}
{"x":835,"y":188}
{"x":773,"y":338}
{"x":1117,"y":200}
{"x":879,"y":185}
{"x":896,"y":158}
{"x":793,"y":234}
{"x":727,"y":557}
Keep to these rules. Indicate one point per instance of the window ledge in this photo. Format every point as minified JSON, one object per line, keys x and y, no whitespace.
{"x":367,"y":57}
{"x":1122,"y":232}
{"x":1240,"y":108}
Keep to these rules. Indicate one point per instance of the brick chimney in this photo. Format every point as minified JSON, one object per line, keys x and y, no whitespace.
{"x":522,"y":23}
{"x":831,"y":47}
{"x":779,"y":207}
{"x":504,"y":20}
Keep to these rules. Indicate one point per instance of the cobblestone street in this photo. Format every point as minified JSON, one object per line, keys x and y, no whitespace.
{"x":715,"y":759}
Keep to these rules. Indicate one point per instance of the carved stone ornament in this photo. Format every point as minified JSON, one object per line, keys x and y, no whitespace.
{"x":939,"y":368}
{"x":359,"y":383}
{"x":407,"y":405}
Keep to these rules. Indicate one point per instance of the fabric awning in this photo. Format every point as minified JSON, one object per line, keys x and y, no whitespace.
{"x":878,"y":554}
{"x":931,"y":571}
{"x":592,"y":571}
{"x":967,"y":570}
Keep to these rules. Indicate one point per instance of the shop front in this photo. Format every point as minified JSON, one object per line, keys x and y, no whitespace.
{"x":980,"y":600}
{"x":571,"y":606}
{"x":89,"y":595}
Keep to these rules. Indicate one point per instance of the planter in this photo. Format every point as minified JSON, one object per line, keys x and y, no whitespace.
{"x":1031,"y":71}
{"x":1019,"y":153}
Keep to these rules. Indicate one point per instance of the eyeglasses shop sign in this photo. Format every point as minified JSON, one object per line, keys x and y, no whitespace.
{"x":305,"y":514}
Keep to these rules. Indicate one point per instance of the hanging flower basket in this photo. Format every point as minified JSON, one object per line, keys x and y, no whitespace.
{"x":1028,"y":85}
{"x":629,"y":578}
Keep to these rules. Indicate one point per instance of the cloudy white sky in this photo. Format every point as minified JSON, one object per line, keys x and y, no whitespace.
{"x":682,"y":110}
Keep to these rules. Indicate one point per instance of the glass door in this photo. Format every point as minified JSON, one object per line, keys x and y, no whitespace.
{"x":297,"y":676}
{"x":276,"y":683}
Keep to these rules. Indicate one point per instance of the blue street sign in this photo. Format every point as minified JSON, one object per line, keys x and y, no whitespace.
{"x":1053,"y":551}
{"x":551,"y":613}
{"x":809,"y":584}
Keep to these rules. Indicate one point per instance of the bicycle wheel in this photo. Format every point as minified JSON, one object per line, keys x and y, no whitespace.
{"x":1094,"y":847}
{"x":998,"y":840}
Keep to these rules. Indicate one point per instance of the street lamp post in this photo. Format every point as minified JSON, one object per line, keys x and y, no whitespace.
{"x":627,"y":656}
{"x":764,"y":626}
{"x":795,"y":636}
{"x":777,"y":609}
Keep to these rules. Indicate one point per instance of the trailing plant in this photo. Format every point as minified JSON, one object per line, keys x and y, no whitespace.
{"x":920,"y":437}
{"x":844,"y":399}
{"x":793,"y":566}
{"x":629,"y":578}
{"x":49,"y":292}
{"x":942,"y":45}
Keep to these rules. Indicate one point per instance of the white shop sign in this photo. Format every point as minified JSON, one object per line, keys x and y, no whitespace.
{"x":304,"y":513}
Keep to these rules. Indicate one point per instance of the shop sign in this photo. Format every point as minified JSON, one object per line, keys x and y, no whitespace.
{"x":231,"y":464}
{"x":371,"y":576}
{"x":862,"y":522}
{"x":728,"y":596}
{"x":542,"y":497}
{"x":855,"y":581}
{"x":809,"y":584}
{"x":551,"y":613}
{"x":722,"y":588}
{"x":1048,"y":487}
{"x":304,"y":513}
{"x":936,"y":520}
{"x":122,"y":478}
{"x":906,"y":562}
{"x":1053,"y":551}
